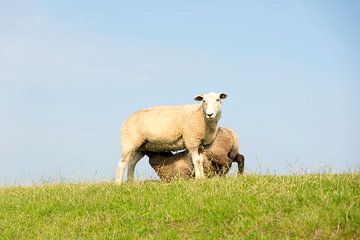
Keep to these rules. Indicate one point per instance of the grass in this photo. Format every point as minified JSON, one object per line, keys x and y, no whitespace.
{"x":249,"y":207}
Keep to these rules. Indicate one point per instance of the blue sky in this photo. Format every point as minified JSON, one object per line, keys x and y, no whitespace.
{"x":70,"y":73}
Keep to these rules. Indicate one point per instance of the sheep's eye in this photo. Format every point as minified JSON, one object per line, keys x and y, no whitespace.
{"x":218,"y":100}
{"x":204,"y":101}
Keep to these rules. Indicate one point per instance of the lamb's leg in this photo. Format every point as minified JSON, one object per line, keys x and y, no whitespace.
{"x":240,"y":159}
{"x":132,"y":163}
{"x":198,"y":161}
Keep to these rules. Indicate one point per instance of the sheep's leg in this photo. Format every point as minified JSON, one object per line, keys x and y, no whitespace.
{"x":132,"y":163}
{"x":121,"y":167}
{"x":198,"y":161}
{"x":240,"y":159}
{"x":130,"y":158}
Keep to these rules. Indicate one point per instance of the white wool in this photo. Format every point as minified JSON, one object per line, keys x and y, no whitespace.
{"x":170,"y":128}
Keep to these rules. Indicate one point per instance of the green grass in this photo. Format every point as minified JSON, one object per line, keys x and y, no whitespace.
{"x":250,"y":207}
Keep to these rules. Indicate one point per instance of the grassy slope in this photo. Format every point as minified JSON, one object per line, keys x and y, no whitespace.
{"x":254,"y":207}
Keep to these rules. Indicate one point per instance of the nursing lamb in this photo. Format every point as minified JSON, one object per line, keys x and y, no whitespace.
{"x":219,"y":156}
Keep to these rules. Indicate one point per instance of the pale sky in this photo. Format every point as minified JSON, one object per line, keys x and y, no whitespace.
{"x":71,"y":73}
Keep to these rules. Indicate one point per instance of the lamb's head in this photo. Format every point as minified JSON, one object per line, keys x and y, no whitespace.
{"x":211,"y":104}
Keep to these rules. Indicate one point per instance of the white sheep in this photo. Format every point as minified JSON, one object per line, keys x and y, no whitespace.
{"x":170,"y":128}
{"x":219,"y":156}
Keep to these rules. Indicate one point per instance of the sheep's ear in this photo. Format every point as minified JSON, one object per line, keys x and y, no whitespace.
{"x":223,"y":95}
{"x":198,"y":98}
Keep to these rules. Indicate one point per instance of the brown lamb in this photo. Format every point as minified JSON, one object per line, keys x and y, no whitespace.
{"x":218,"y":158}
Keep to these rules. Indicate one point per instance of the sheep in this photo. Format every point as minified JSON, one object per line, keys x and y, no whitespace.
{"x":170,"y":128}
{"x":219,"y":156}
{"x":170,"y":166}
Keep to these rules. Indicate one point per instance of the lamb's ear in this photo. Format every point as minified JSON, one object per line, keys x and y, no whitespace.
{"x":198,"y":98}
{"x":223,"y":95}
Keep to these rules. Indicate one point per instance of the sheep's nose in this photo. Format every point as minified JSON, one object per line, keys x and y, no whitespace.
{"x":210,"y":115}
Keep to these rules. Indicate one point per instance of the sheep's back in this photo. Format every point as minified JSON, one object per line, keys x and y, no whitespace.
{"x":161,"y":128}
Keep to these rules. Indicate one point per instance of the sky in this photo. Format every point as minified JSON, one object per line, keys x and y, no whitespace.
{"x":72,"y":71}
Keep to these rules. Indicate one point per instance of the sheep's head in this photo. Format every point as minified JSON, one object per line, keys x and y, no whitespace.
{"x":211,"y":104}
